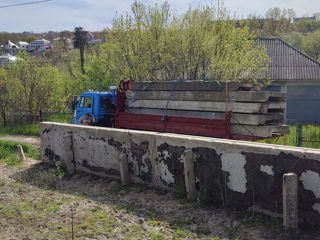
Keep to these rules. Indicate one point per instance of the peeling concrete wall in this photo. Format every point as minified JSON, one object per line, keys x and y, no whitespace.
{"x":228,"y":173}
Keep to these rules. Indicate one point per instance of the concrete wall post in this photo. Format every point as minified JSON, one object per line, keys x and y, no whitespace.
{"x":189,"y":175}
{"x":124,"y":171}
{"x":290,"y":201}
{"x":22,"y":157}
{"x":69,"y":155}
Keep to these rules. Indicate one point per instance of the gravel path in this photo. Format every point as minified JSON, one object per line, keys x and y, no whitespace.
{"x":23,"y":139}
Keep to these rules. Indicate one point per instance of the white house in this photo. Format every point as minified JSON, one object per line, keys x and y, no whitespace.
{"x":9,"y":47}
{"x":22,"y":45}
{"x":39,"y":44}
{"x":6,"y":59}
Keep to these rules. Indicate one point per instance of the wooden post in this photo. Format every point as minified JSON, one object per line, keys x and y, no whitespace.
{"x":22,"y":157}
{"x":290,"y":201}
{"x":68,"y":153}
{"x":124,"y":171}
{"x":189,"y":175}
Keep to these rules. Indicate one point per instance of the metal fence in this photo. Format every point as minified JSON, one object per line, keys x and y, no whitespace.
{"x":303,"y":134}
{"x":14,"y":119}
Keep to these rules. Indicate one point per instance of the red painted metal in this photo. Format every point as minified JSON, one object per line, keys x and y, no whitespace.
{"x":171,"y":124}
{"x":121,"y":101}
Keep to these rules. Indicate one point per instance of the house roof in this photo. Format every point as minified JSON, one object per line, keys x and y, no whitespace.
{"x":8,"y":58}
{"x":288,"y":63}
{"x":40,"y":41}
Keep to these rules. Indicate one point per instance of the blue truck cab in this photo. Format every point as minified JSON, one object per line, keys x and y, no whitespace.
{"x":100,"y":104}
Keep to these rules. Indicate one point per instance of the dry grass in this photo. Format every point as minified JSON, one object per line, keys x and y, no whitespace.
{"x":36,"y":204}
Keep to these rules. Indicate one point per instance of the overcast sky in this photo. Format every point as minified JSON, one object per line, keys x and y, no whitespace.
{"x":95,"y":15}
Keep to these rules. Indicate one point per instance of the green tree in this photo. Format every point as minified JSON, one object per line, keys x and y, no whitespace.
{"x":40,"y":87}
{"x":5,"y":88}
{"x":312,"y":44}
{"x":157,"y":44}
{"x":278,"y":21}
{"x":59,"y":52}
{"x":30,"y":38}
{"x":80,"y":41}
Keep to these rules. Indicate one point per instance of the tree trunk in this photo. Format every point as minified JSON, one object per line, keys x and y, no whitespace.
{"x":40,"y":115}
{"x":82,"y":59}
{"x":4,"y":117}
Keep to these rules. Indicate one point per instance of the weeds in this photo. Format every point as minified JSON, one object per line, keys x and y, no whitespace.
{"x":232,"y":230}
{"x":156,"y":236}
{"x":263,"y":220}
{"x":23,"y":129}
{"x":40,"y":177}
{"x":59,"y":171}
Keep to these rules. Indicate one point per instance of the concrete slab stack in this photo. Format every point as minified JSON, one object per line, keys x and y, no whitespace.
{"x":255,"y":113}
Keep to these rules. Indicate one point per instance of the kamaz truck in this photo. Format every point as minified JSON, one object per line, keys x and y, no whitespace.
{"x":100,"y":104}
{"x":212,"y":109}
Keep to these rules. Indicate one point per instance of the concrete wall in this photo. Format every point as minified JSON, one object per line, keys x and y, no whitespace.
{"x":228,"y":173}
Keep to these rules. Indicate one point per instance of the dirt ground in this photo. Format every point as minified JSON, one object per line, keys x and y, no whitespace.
{"x":35,"y":142}
{"x":36,"y":204}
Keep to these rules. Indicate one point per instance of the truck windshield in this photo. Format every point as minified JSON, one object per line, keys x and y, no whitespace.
{"x":85,"y":102}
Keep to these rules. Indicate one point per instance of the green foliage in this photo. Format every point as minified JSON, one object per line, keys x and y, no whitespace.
{"x":30,"y":38}
{"x":156,"y":44}
{"x":308,"y":43}
{"x":59,"y":171}
{"x":303,"y":35}
{"x":278,"y":21}
{"x":58,"y":117}
{"x":32,"y":129}
{"x":33,"y":86}
{"x":310,"y":137}
{"x":98,"y":75}
{"x":232,"y":230}
{"x":156,"y":236}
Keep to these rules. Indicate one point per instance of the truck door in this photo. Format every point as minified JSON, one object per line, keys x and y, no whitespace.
{"x":85,"y":105}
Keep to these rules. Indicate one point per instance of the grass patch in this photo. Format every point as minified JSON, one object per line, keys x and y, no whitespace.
{"x":32,"y":129}
{"x":92,"y":224}
{"x":154,"y":222}
{"x":24,"y":129}
{"x":59,"y":117}
{"x":9,"y":152}
{"x":156,"y":236}
{"x":310,"y":137}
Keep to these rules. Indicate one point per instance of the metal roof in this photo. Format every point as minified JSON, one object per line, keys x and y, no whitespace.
{"x":288,"y":63}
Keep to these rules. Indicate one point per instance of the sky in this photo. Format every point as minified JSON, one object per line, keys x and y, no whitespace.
{"x":95,"y":15}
